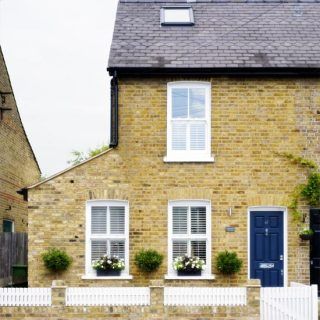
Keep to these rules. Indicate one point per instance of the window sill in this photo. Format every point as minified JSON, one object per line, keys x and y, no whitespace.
{"x":191,"y":159}
{"x":204,"y":277}
{"x":93,"y":277}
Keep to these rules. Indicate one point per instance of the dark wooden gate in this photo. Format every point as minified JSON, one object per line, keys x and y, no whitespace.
{"x":13,"y":251}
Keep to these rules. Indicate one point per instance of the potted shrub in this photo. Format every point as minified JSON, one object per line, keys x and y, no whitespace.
{"x":108,"y":266}
{"x":228,"y":263}
{"x":306,"y":234}
{"x":148,"y":260}
{"x":188,"y":265}
{"x":56,"y":260}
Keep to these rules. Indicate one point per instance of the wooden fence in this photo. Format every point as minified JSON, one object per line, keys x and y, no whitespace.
{"x":13,"y":250}
{"x":196,"y":296}
{"x":111,"y":296}
{"x":25,"y":297}
{"x":298,"y":302}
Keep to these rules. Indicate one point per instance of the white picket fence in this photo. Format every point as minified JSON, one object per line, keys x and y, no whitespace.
{"x":298,"y":302}
{"x":204,"y":296}
{"x":25,"y":297}
{"x":111,"y":296}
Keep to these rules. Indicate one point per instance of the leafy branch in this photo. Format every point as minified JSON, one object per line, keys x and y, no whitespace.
{"x":80,"y":156}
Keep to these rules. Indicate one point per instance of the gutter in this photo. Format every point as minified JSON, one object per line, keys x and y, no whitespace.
{"x":241,"y":71}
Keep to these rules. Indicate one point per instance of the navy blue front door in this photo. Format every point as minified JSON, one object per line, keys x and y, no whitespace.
{"x":266,"y":247}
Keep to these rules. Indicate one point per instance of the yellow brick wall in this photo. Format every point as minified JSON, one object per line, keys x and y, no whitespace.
{"x":18,"y":167}
{"x":251,"y":120}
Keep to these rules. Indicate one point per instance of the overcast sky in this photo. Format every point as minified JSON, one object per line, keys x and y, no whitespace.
{"x":56,"y":53}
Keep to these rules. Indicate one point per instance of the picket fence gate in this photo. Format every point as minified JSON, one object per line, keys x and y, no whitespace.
{"x":298,"y":302}
{"x":111,"y":296}
{"x":26,"y":297}
{"x":204,"y":296}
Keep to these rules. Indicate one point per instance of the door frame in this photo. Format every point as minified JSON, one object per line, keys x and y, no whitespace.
{"x":285,"y":236}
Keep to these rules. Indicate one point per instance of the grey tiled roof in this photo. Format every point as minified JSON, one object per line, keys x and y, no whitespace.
{"x":226,"y":34}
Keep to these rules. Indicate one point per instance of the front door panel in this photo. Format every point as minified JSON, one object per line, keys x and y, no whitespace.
{"x":315,"y":248}
{"x":266,"y":247}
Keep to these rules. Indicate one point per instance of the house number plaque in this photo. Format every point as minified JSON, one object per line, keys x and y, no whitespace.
{"x":266,"y":265}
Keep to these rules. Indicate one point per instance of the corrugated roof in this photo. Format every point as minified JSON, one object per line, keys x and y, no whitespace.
{"x":226,"y":34}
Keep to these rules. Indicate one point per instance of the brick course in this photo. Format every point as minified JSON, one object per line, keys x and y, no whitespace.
{"x":251,"y":120}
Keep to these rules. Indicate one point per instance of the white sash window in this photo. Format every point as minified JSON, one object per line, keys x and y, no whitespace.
{"x":188,"y":122}
{"x":189,"y":232}
{"x":107,"y":232}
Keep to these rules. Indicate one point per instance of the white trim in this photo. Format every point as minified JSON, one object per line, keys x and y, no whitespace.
{"x":188,"y":155}
{"x":285,"y":236}
{"x":12,"y":221}
{"x":204,"y":277}
{"x":89,"y":271}
{"x":121,"y":277}
{"x":206,"y":274}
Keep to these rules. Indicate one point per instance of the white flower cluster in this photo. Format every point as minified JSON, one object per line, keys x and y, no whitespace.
{"x":107,"y":262}
{"x":188,"y":263}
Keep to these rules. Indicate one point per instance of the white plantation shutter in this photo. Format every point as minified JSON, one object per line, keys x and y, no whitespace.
{"x":199,"y":249}
{"x":190,"y":232}
{"x":107,"y":232}
{"x":117,"y":248}
{"x":179,"y":248}
{"x":117,"y":218}
{"x":198,"y":220}
{"x":99,"y":220}
{"x":179,"y":136}
{"x":98,"y":249}
{"x":189,"y":121}
{"x":197,"y":136}
{"x":180,"y":220}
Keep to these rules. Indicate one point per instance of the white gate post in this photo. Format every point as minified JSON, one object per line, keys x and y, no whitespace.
{"x":314,"y":301}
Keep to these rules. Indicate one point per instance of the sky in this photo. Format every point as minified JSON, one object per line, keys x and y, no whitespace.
{"x":56,"y":53}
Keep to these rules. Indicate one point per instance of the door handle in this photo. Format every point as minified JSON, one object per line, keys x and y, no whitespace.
{"x":266,"y":232}
{"x":281,"y":257}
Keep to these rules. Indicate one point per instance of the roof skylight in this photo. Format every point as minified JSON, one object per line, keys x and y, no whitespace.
{"x":177,"y":16}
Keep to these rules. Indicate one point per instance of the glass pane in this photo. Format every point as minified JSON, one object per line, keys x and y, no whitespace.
{"x":117,"y":249}
{"x":99,"y":220}
{"x":197,"y":136}
{"x":117,"y":220}
{"x":180,"y":220}
{"x":177,"y":15}
{"x":179,"y":248}
{"x":179,"y":103}
{"x":198,"y":220}
{"x":197,"y":102}
{"x":98,"y":249}
{"x":198,"y":248}
{"x":179,"y":136}
{"x":7,"y":226}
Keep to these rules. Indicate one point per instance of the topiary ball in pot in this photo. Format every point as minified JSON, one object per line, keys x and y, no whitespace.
{"x":148,"y":260}
{"x":228,"y":262}
{"x":56,"y":260}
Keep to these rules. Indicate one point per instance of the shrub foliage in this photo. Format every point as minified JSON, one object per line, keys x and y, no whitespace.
{"x":56,"y":260}
{"x":228,"y":262}
{"x":148,"y":260}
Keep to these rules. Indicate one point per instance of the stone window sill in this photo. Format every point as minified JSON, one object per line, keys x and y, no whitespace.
{"x":176,"y":277}
{"x":93,"y":277}
{"x":190,"y":159}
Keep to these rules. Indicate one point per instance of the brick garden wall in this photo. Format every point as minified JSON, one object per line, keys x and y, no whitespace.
{"x":18,"y":167}
{"x":251,"y":120}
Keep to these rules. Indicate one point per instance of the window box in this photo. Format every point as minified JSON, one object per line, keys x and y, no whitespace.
{"x":189,"y":273}
{"x":306,"y":237}
{"x":108,"y":273}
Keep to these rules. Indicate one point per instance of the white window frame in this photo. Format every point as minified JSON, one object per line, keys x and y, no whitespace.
{"x":205,"y":274}
{"x":90,"y":273}
{"x":178,"y":22}
{"x":188,"y":155}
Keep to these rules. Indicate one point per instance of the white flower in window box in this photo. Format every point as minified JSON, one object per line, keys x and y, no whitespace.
{"x":188,"y":265}
{"x":108,"y":266}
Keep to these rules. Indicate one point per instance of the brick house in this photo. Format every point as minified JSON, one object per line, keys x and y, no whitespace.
{"x":18,"y":165}
{"x":204,"y":94}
